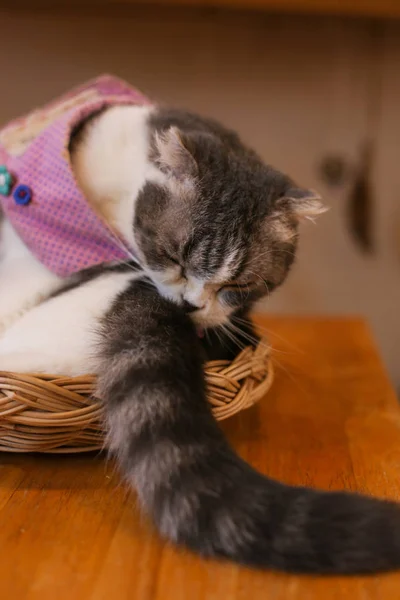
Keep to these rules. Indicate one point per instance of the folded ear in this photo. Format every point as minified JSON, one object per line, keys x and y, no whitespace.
{"x":172,"y":155}
{"x":306,"y":204}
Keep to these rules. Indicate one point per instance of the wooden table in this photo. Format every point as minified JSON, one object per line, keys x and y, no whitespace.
{"x":70,"y":530}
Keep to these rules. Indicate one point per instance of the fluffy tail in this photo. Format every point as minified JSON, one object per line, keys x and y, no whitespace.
{"x":197,"y":490}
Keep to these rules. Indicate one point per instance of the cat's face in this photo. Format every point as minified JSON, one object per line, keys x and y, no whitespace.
{"x":221,"y":231}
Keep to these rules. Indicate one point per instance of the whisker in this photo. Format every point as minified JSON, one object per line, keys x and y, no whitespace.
{"x":242,"y":333}
{"x":290,"y":375}
{"x":220,"y":339}
{"x":247,"y":336}
{"x":253,"y":340}
{"x":261,"y":279}
{"x":259,"y":256}
{"x":269,"y":332}
{"x":232,"y":337}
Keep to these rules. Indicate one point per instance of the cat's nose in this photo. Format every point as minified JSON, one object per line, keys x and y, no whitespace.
{"x":189,"y":308}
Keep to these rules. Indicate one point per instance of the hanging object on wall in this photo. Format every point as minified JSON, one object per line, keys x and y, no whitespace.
{"x":337,"y":172}
{"x":360,"y":210}
{"x":334,"y":170}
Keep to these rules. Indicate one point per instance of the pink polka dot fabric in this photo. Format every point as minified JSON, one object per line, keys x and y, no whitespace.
{"x":58,"y":225}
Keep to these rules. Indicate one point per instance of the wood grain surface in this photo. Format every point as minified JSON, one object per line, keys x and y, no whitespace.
{"x":359,"y":8}
{"x":375,"y":8}
{"x":70,"y":530}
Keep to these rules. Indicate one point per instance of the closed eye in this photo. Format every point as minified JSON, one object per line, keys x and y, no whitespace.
{"x":235,"y":295}
{"x":238,"y":286}
{"x":250,"y":285}
{"x":172,"y":259}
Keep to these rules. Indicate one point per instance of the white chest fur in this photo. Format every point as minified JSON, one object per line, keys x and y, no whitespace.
{"x":24,"y":281}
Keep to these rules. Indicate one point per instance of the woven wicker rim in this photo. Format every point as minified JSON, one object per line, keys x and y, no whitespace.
{"x":49,"y":413}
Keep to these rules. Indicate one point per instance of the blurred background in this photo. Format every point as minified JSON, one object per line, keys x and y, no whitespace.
{"x":312,"y":85}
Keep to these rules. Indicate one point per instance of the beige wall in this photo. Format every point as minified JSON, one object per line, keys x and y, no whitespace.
{"x":296,"y":89}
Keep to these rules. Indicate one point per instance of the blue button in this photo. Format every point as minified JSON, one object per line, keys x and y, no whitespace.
{"x":22,"y":194}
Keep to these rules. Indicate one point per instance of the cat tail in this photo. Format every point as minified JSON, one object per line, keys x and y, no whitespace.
{"x":199,"y":493}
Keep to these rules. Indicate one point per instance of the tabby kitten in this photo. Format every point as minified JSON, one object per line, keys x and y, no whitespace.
{"x":213,"y":230}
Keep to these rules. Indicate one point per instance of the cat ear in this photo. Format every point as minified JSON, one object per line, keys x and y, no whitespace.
{"x":306,"y":204}
{"x":173,"y":156}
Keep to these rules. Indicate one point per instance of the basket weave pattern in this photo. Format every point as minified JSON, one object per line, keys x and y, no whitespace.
{"x":47,"y":413}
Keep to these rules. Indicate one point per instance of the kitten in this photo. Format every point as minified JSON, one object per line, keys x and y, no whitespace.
{"x":213,"y":230}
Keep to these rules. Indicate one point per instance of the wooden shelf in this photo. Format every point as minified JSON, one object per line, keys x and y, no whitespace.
{"x":361,"y":8}
{"x":375,"y":8}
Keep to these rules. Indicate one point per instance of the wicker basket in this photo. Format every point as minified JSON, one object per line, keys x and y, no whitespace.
{"x":47,"y":413}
